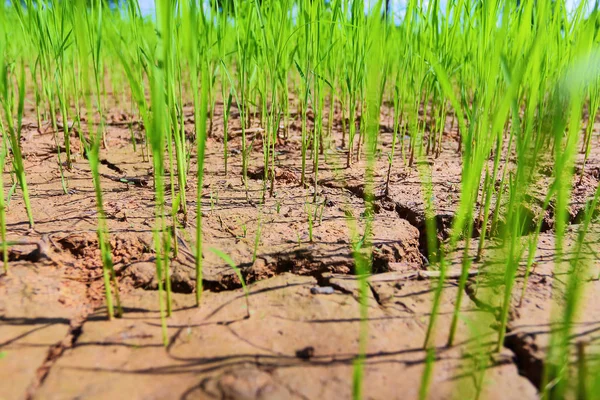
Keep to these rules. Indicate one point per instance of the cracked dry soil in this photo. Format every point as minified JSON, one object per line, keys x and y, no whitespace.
{"x":55,"y":341}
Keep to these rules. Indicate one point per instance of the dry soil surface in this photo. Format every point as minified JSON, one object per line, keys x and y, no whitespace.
{"x":296,"y":335}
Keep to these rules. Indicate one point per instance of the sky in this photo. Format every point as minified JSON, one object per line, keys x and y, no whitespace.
{"x":147,"y":6}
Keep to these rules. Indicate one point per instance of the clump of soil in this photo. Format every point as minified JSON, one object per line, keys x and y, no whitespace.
{"x":84,"y":248}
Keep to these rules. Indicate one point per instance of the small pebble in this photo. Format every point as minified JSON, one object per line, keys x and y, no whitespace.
{"x":305,"y":353}
{"x":322,"y":290}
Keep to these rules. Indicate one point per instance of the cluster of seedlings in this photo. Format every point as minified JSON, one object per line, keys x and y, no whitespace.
{"x":515,"y":85}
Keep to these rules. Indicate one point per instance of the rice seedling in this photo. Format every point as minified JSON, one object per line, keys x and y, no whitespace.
{"x":488,"y":109}
{"x":225,"y":257}
{"x":3,"y":153}
{"x":364,"y":262}
{"x":13,"y":128}
{"x":3,"y":208}
{"x":257,"y":237}
{"x":87,"y":34}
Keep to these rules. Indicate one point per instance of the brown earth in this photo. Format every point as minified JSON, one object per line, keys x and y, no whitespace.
{"x":55,"y":341}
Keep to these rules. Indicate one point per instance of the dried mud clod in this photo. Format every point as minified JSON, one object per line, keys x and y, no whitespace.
{"x":30,"y":250}
{"x":80,"y":256}
{"x":395,"y":245}
{"x":244,"y":382}
{"x":84,"y":249}
{"x":282,"y":175}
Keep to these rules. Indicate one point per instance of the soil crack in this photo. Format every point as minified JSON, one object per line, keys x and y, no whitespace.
{"x":376,"y":295}
{"x":56,"y":351}
{"x":528,"y":363}
{"x":521,"y":345}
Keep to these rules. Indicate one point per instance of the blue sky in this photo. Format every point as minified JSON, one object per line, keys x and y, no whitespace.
{"x":147,"y":6}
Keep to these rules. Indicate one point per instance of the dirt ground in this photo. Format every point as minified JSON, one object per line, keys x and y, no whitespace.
{"x":288,"y":341}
